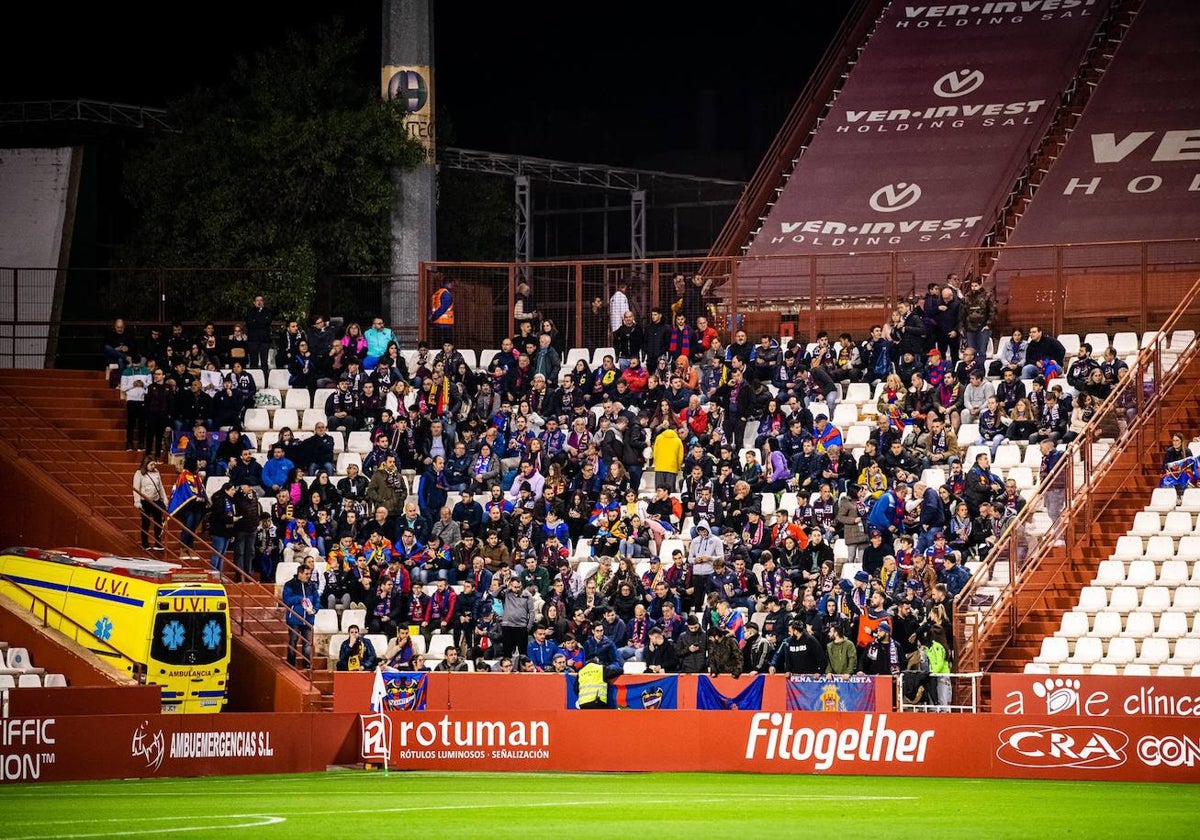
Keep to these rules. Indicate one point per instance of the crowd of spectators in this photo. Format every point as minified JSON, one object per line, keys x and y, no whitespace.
{"x":564,"y":513}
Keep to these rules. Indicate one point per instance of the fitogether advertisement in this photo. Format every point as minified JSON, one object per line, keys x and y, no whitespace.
{"x":982,"y":745}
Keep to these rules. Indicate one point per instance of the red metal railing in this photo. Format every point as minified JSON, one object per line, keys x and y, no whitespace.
{"x":983,"y":633}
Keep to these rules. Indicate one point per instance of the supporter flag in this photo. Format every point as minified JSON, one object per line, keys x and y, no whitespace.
{"x":831,"y":694}
{"x":378,"y":692}
{"x":736,"y":625}
{"x":1182,"y":473}
{"x":832,"y":436}
{"x":654,"y":694}
{"x":404,"y":692}
{"x":748,"y":699}
{"x":185,"y":491}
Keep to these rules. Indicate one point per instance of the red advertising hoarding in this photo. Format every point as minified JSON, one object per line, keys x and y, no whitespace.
{"x":1131,"y":168}
{"x":1092,"y":697}
{"x":938,"y":117}
{"x":65,"y":748}
{"x":979,"y":746}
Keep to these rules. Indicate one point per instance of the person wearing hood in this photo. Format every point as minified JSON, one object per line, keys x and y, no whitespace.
{"x":703,"y":551}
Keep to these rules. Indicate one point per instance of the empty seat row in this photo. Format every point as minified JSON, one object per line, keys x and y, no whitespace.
{"x":1133,"y":669}
{"x":1175,"y":523}
{"x":9,"y":680}
{"x":1169,"y":573}
{"x":1120,"y":650}
{"x":1138,"y":624}
{"x":1154,"y":599}
{"x":1157,"y":548}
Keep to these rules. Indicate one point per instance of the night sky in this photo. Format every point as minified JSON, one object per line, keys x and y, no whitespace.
{"x":690,"y":90}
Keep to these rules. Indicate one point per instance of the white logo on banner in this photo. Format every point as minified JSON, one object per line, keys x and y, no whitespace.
{"x":149,"y":747}
{"x":893,"y":197}
{"x":958,"y":83}
{"x":376,"y":733}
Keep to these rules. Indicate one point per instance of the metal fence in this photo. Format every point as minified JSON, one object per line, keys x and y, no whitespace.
{"x":1109,"y":288}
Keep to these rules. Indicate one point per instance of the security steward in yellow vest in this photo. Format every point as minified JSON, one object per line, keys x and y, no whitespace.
{"x":593,"y":690}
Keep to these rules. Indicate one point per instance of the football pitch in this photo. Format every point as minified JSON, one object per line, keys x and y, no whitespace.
{"x":348,"y":803}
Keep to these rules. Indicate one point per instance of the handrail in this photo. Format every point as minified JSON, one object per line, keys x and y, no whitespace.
{"x":47,"y":606}
{"x":244,"y":578}
{"x":1079,"y":506}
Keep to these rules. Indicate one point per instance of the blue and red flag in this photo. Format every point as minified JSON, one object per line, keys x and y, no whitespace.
{"x":404,"y":692}
{"x":662,"y":693}
{"x":748,"y":699}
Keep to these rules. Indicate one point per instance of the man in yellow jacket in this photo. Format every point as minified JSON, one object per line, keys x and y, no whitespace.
{"x":668,"y":459}
{"x":593,"y":690}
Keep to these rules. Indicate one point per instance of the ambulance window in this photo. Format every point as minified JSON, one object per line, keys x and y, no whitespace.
{"x":189,"y":638}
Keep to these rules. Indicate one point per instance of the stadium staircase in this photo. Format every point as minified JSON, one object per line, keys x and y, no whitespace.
{"x":1096,"y":61}
{"x":70,"y":425}
{"x":1109,"y":483}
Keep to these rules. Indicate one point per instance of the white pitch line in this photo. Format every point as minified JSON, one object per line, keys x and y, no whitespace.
{"x":261,"y":820}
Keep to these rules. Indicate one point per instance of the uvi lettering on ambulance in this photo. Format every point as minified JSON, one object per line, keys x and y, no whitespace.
{"x":873,"y":741}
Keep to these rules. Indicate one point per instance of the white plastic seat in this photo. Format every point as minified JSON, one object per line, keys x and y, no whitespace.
{"x":768,"y":504}
{"x":789,"y":502}
{"x":1156,"y":599}
{"x":486,"y":357}
{"x":1188,"y":549}
{"x":59,"y":681}
{"x":1163,"y":500}
{"x":285,"y":417}
{"x":1109,"y":573}
{"x":1139,"y":625}
{"x":1092,"y":599}
{"x":1136,"y":669}
{"x":845,"y":415}
{"x":285,"y":571}
{"x":1141,"y":573}
{"x":849,"y":570}
{"x":1173,"y":573}
{"x":1023,"y":476}
{"x":1125,"y":343}
{"x":1033,"y":459}
{"x":1037,"y":668}
{"x":1120,"y":651}
{"x":1170,"y":669}
{"x":1180,"y":339}
{"x":310,"y":419}
{"x":1054,"y":651}
{"x":1160,"y":548}
{"x":858,"y":392}
{"x":469,"y":357}
{"x":1070,"y":343}
{"x":29,"y":681}
{"x":438,"y":642}
{"x":1171,"y":625}
{"x":1154,"y":651}
{"x":968,"y":433}
{"x":632,"y":667}
{"x":1073,"y":625}
{"x":260,"y":381}
{"x":359,"y":442}
{"x":1146,"y":523}
{"x":1105,"y":625}
{"x":297,"y":398}
{"x":1007,"y":455}
{"x":933,"y":476}
{"x":278,"y":378}
{"x":326,"y":621}
{"x":1073,"y":668}
{"x":18,"y":659}
{"x":345,"y":459}
{"x":1187,"y":600}
{"x":256,"y":420}
{"x":265,"y":504}
{"x":1123,"y":599}
{"x":1128,"y":548}
{"x":1099,"y":343}
{"x":1187,"y":652}
{"x":321,"y":396}
{"x":1178,"y":523}
{"x":1190,"y":501}
{"x":600,"y":353}
{"x":1087,"y":650}
{"x":355,"y":618}
{"x":1103,"y":669}
{"x":668,"y":547}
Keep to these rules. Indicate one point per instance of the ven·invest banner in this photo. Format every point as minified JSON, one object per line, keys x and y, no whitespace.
{"x":925,"y":140}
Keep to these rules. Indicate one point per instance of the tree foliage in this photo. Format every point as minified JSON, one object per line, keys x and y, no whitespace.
{"x":284,"y":169}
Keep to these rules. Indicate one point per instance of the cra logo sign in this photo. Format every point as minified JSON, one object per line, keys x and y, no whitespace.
{"x":958,"y":83}
{"x":1078,"y":747}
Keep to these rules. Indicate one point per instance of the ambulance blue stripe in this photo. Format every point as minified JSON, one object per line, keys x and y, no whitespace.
{"x":75,"y":590}
{"x":220,"y":693}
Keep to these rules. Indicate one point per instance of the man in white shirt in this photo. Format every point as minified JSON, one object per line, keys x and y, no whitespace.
{"x":618,"y":305}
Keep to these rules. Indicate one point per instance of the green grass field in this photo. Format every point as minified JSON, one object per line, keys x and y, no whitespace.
{"x":358,"y":804}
